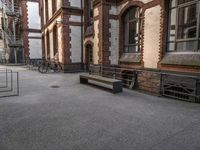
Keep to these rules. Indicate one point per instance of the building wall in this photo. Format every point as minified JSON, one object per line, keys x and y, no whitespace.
{"x":107,"y":37}
{"x":152,"y":41}
{"x":96,"y":37}
{"x":1,"y":39}
{"x":67,"y":20}
{"x":34,"y":35}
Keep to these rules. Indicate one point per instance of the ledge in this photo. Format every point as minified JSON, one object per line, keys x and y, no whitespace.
{"x":89,"y":31}
{"x":131,"y":58}
{"x":187,"y":59}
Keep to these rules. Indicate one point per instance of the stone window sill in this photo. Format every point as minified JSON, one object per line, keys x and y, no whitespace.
{"x":187,"y":59}
{"x":131,"y":58}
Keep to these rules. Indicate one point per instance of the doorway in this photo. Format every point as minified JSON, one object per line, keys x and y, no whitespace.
{"x":88,"y":57}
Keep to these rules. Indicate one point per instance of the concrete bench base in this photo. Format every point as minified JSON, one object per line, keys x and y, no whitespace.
{"x":117,"y":85}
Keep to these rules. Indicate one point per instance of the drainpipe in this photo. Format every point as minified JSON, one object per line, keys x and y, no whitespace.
{"x":82,"y":24}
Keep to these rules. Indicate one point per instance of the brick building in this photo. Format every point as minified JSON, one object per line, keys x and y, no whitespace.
{"x":153,"y":36}
{"x":21,"y":30}
{"x":31,"y":29}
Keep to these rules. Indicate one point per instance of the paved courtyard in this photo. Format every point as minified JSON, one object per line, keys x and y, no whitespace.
{"x":81,"y":117}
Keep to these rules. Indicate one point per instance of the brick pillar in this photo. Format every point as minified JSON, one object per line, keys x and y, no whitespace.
{"x":65,"y":3}
{"x":66,"y":40}
{"x":24,"y":21}
{"x":104,"y":34}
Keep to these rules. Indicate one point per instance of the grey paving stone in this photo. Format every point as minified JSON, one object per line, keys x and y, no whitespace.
{"x":81,"y":117}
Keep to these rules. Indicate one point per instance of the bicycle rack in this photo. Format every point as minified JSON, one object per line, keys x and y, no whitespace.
{"x":9,"y":83}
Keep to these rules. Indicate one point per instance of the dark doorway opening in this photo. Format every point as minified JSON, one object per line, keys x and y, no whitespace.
{"x":88,"y":57}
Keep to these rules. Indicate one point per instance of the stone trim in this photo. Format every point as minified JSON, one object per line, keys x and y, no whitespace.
{"x":164,"y":60}
{"x":121,"y":31}
{"x":25,"y":28}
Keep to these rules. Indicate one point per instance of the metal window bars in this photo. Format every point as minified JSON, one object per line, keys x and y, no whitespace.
{"x":9,"y":83}
{"x":128,"y":76}
{"x":182,"y":87}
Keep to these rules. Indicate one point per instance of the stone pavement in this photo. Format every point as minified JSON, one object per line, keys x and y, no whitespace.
{"x":81,"y":117}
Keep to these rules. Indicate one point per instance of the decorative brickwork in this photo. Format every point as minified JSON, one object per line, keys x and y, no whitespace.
{"x":25,"y":32}
{"x":149,"y":81}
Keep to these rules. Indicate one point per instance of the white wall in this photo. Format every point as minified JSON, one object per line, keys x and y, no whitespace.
{"x":96,"y":38}
{"x":152,"y":37}
{"x":114,"y":40}
{"x":35,"y":48}
{"x":33,"y":15}
{"x":75,"y":44}
{"x":34,"y":22}
{"x":75,"y":3}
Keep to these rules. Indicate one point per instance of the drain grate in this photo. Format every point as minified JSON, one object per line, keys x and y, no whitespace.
{"x":55,"y":86}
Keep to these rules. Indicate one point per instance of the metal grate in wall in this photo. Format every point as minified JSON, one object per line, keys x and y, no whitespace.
{"x":186,"y":88}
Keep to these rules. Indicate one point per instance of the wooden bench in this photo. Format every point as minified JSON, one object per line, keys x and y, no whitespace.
{"x":116,"y":84}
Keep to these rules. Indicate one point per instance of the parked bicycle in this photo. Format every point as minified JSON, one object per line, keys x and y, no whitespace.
{"x":47,"y":65}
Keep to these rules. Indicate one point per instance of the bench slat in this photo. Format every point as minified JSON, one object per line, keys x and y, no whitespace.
{"x":100,"y":79}
{"x":116,"y":84}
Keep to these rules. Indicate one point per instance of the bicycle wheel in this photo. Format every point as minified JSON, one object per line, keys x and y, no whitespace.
{"x":57,"y":68}
{"x":43,"y":69}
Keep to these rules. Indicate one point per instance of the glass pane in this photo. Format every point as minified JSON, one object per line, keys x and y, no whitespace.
{"x":134,"y":13}
{"x":171,"y":47}
{"x":126,"y":33}
{"x":199,"y":46}
{"x":187,"y":46}
{"x":184,"y":1}
{"x":187,"y":22}
{"x":173,"y":3}
{"x":126,"y":18}
{"x":126,"y":49}
{"x":132,"y":32}
{"x":133,"y":49}
{"x":172,"y":25}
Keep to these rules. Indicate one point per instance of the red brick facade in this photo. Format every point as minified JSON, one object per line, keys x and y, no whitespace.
{"x":148,"y":80}
{"x":26,"y":30}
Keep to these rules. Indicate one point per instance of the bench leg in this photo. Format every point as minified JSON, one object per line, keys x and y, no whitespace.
{"x":117,"y":87}
{"x":83,"y":80}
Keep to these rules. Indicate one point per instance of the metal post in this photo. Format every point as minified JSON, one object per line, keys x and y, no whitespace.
{"x":17,"y":84}
{"x":11,"y":75}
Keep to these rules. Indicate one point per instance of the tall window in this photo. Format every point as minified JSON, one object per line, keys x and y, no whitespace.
{"x":132,"y":30}
{"x":55,"y":40}
{"x":54,"y":6}
{"x":48,"y":45}
{"x":46,"y":10}
{"x":90,"y":12}
{"x":184,"y":25}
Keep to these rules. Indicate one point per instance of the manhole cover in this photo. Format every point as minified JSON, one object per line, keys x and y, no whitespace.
{"x":55,"y":86}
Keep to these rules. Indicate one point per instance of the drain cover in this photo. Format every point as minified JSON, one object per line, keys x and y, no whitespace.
{"x":55,"y":86}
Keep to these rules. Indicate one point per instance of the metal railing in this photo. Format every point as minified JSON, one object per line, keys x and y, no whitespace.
{"x":33,"y":64}
{"x":11,"y":13}
{"x":176,"y":86}
{"x":9,"y":83}
{"x":128,"y":76}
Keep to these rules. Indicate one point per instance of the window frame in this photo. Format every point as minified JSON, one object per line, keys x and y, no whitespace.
{"x":196,"y":39}
{"x":138,"y":21}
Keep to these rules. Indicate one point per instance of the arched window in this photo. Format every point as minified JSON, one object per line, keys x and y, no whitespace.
{"x":48,"y":45}
{"x":43,"y":47}
{"x":54,"y":6}
{"x":131,"y":21}
{"x":46,"y":10}
{"x":55,"y":40}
